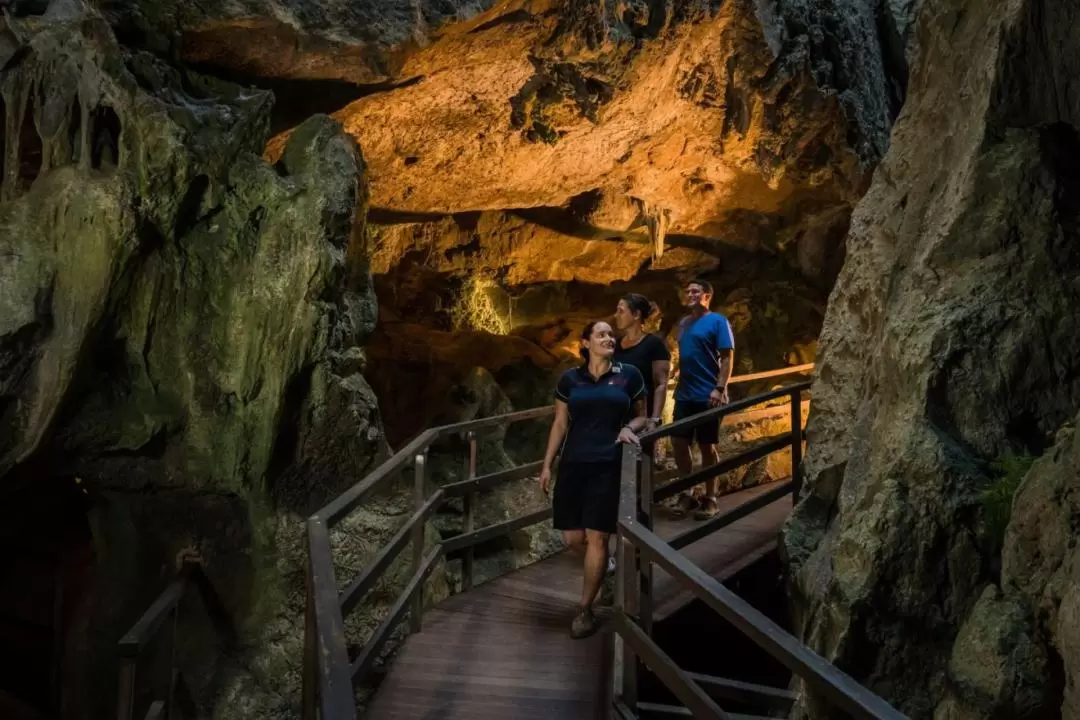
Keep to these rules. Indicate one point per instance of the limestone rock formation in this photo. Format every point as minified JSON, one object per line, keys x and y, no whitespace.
{"x":719,"y":118}
{"x":951,"y":337}
{"x":179,"y":329}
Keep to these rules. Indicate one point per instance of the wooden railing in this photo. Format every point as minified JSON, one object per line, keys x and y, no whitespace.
{"x":330,"y":675}
{"x":162,"y":616}
{"x":640,"y":549}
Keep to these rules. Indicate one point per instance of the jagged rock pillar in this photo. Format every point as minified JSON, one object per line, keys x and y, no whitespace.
{"x":951,"y":336}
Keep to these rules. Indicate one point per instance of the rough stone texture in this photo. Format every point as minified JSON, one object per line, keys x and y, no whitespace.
{"x":751,"y":124}
{"x":719,"y":118}
{"x":998,"y":670}
{"x":950,"y":336}
{"x":1041,"y":562}
{"x":179,"y":327}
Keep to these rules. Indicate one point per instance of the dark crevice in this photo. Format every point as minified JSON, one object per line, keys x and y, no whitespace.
{"x":3,"y":138}
{"x":295,"y":100}
{"x":187,"y":215}
{"x":510,"y":18}
{"x":893,"y":57}
{"x":288,"y":440}
{"x":74,"y":133}
{"x":26,"y":8}
{"x":30,"y":145}
{"x":152,"y":449}
{"x":104,"y":138}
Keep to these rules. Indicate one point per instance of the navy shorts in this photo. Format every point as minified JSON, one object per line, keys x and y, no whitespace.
{"x":586,"y":496}
{"x":708,"y":433}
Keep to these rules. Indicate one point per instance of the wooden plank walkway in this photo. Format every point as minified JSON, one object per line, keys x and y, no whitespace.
{"x":503,"y":650}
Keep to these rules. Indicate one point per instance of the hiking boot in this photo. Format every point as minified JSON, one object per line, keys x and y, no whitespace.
{"x":709,"y":509}
{"x":685,"y":504}
{"x":583,"y":625}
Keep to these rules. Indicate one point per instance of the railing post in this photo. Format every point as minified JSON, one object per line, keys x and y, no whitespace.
{"x":125,"y":703}
{"x":416,"y":615}
{"x":167,"y":680}
{"x":311,"y":655}
{"x":643,"y":472}
{"x":796,"y":445}
{"x":468,"y":502}
{"x":628,"y":585}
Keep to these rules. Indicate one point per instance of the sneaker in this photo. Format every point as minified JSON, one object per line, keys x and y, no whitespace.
{"x":709,"y":509}
{"x":583,"y":625}
{"x":685,"y":504}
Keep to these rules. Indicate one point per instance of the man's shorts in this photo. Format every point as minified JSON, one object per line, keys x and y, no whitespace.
{"x":707,"y":433}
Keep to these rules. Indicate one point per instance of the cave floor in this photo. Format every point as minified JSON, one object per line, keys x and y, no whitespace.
{"x":503,"y":650}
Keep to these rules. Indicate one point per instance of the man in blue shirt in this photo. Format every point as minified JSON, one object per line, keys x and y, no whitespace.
{"x":706,"y":353}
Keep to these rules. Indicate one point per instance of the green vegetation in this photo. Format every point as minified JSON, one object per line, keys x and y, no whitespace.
{"x":997,"y":498}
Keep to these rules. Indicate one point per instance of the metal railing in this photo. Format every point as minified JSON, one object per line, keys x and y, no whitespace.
{"x":329,"y":674}
{"x":162,"y":616}
{"x":640,"y":549}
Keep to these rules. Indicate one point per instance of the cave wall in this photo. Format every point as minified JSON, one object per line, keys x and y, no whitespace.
{"x":180,"y":325}
{"x":950,"y":339}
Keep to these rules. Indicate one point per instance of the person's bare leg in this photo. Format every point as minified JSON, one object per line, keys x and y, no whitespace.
{"x":595,"y":564}
{"x":710,"y":505}
{"x":575,"y":540}
{"x":685,"y":463}
{"x":681,"y":449}
{"x":710,"y":455}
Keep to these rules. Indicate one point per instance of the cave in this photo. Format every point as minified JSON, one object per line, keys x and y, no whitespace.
{"x":304,"y":232}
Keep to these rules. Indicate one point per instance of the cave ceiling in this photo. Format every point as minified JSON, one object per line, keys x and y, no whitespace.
{"x":706,"y":125}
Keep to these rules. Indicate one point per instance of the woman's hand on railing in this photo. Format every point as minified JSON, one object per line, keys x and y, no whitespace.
{"x":626,"y":435}
{"x":545,"y":480}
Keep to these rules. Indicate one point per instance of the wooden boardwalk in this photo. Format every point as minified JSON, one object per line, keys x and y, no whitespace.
{"x":503,"y":651}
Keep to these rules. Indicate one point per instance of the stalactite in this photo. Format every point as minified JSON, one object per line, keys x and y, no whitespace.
{"x":657,"y":220}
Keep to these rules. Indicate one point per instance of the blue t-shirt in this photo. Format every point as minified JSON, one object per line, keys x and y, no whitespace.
{"x":700,"y":343}
{"x":599,"y":408}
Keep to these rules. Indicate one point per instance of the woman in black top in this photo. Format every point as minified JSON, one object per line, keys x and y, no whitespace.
{"x":645,"y":351}
{"x":598,"y":405}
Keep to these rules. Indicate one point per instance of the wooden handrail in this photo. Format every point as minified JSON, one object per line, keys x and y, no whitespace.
{"x":833,"y":683}
{"x":724,"y":466}
{"x":329,"y":674}
{"x":719,"y":412}
{"x":763,"y":375}
{"x":356,"y":590}
{"x":640,"y":549}
{"x":165,"y":609}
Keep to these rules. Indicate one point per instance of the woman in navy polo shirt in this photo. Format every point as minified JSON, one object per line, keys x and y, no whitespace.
{"x":598,"y":405}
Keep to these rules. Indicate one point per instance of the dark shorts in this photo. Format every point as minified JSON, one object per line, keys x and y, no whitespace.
{"x":707,"y":433}
{"x":586,"y":496}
